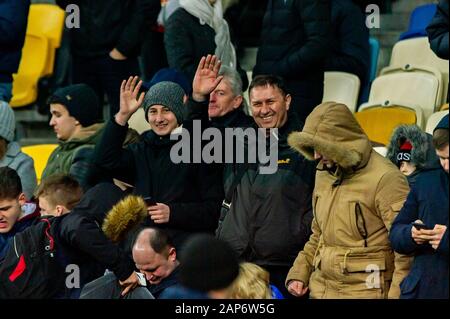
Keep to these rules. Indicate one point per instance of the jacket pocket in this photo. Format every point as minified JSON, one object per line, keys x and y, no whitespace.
{"x":358,"y":222}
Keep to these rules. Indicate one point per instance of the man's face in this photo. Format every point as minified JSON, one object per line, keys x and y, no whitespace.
{"x":154,"y":266}
{"x":64,"y":125}
{"x":324,"y":160}
{"x":10,"y":212}
{"x":222,"y":100}
{"x":162,"y":120}
{"x":407,"y":168}
{"x":443,"y":157}
{"x":269,"y":106}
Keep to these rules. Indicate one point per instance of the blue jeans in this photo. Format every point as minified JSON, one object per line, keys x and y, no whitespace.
{"x":5,"y":92}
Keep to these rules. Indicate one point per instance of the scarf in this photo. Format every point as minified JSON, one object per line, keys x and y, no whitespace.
{"x":213,"y":16}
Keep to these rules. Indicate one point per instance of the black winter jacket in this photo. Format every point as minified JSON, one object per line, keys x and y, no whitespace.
{"x":108,"y":24}
{"x":349,"y":43}
{"x":192,"y":190}
{"x":13,"y":25}
{"x":81,"y":239}
{"x":438,"y":31}
{"x":294,"y":43}
{"x":187,"y":41}
{"x":270,"y":217}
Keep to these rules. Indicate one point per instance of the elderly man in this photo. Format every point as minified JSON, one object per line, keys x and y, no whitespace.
{"x":357,"y":195}
{"x":269,"y":218}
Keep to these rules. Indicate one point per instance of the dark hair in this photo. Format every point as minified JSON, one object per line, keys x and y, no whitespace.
{"x":60,"y":189}
{"x":268,"y":80}
{"x":440,"y":138}
{"x":10,"y":184}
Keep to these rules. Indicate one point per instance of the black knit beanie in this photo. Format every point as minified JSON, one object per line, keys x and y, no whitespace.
{"x":81,"y":102}
{"x":207,"y":263}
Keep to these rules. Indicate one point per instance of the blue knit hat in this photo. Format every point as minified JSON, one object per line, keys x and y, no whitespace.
{"x":7,"y":122}
{"x":442,"y":123}
{"x":170,"y":75}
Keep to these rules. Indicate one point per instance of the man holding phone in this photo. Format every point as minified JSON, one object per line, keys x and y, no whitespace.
{"x":421,"y":228}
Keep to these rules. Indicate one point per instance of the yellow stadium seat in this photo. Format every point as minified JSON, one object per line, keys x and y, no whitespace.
{"x":341,"y":87}
{"x":43,"y":37}
{"x":32,"y":65}
{"x":379,"y":122}
{"x":444,"y":107}
{"x":417,"y":90}
{"x":40,"y":154}
{"x":48,"y":21}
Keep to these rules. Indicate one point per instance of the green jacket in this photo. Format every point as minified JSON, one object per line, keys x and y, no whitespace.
{"x":74,"y":156}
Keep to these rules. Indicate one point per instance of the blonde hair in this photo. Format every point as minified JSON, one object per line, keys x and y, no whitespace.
{"x":252,"y":283}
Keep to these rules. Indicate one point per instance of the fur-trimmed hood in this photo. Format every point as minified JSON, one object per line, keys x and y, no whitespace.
{"x":422,"y":153}
{"x":332,"y":130}
{"x":124,"y":217}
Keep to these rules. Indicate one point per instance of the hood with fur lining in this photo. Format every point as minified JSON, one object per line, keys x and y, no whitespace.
{"x":422,"y":153}
{"x":332,"y":130}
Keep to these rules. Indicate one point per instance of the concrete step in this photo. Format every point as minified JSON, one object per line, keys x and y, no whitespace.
{"x":408,"y":5}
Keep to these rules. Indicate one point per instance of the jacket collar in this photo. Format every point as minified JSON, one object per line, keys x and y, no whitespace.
{"x":12,"y":151}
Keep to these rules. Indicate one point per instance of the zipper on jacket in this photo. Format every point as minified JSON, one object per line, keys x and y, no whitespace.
{"x":361,"y":223}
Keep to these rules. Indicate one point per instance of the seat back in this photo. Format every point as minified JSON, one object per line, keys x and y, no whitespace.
{"x":47,"y":20}
{"x":419,"y":20}
{"x":341,"y":87}
{"x":380,"y":122}
{"x":40,"y":154}
{"x":419,"y":88}
{"x":417,"y":52}
{"x":31,"y":68}
{"x":433,"y":120}
{"x":138,"y":122}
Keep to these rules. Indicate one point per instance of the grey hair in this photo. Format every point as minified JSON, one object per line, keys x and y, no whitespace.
{"x":233,"y":78}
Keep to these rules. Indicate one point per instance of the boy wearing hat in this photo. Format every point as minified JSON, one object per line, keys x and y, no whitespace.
{"x":186,"y":196}
{"x":77,"y":128}
{"x":421,"y":227}
{"x":10,"y":153}
{"x":411,"y":149}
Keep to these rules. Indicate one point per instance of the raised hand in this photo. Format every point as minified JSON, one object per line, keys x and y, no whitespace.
{"x":129,"y":101}
{"x":206,"y":77}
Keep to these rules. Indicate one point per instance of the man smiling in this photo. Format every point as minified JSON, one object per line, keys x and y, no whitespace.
{"x":187,"y":196}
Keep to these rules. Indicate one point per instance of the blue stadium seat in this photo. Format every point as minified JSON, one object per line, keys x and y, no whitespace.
{"x":419,"y":20}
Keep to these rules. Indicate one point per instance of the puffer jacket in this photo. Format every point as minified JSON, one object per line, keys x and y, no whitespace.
{"x":349,"y":254}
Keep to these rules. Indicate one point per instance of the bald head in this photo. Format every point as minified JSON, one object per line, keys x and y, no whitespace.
{"x":154,"y":254}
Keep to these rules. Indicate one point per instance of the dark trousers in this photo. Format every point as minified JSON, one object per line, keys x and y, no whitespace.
{"x":153,"y":54}
{"x":104,"y":75}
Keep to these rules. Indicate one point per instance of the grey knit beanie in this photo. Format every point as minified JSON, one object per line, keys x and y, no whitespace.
{"x":7,"y":122}
{"x":168,"y":94}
